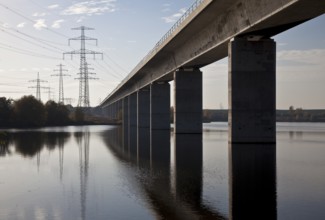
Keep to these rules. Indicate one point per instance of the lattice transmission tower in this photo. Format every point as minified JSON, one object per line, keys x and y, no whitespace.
{"x":49,"y":91}
{"x":83,"y":78}
{"x":38,"y":86}
{"x":61,"y":75}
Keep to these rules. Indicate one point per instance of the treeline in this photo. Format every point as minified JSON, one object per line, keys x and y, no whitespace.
{"x":30,"y":112}
{"x":300,"y":115}
{"x":291,"y":115}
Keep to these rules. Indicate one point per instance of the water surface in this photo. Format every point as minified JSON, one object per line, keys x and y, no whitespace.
{"x":94,"y":172}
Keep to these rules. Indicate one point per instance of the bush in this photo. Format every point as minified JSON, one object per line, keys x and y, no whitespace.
{"x":29,"y":112}
{"x":5,"y":112}
{"x":57,"y":114}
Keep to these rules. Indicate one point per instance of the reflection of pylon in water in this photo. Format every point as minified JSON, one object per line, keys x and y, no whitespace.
{"x":61,"y":154}
{"x":38,"y":158}
{"x":83,"y":144}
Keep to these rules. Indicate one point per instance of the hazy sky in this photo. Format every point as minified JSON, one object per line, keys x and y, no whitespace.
{"x":34,"y":34}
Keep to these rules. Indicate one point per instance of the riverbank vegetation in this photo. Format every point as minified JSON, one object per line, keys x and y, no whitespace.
{"x":290,"y":115}
{"x":30,"y":112}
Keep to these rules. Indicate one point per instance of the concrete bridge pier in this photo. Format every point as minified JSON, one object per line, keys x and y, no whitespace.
{"x":160,"y":106}
{"x":114,"y":105}
{"x":119,"y":110}
{"x":114,"y":109}
{"x":133,"y":124}
{"x":143,"y":108}
{"x":143,"y":124}
{"x":188,"y":101}
{"x":109,"y":111}
{"x":125,"y":122}
{"x":251,"y":90}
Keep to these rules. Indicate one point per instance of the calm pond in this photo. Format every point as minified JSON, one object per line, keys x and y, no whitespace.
{"x":93,"y":172}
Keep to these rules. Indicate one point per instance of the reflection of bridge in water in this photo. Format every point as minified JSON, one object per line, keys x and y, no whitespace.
{"x":178,"y":194}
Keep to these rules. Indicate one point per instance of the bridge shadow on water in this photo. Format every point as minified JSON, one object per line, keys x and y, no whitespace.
{"x":173,"y":186}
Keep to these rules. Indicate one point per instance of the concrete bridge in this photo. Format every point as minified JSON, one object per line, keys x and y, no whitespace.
{"x":209,"y":31}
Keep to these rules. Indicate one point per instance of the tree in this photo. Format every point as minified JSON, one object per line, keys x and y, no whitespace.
{"x":29,"y":112}
{"x":57,"y":114}
{"x":292,"y":112}
{"x":79,"y":115}
{"x":298,"y":113}
{"x":5,"y":112}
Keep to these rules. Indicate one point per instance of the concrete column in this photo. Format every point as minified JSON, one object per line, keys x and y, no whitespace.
{"x":133,"y":124}
{"x":117,"y":107}
{"x":143,"y":125}
{"x":125,"y":121}
{"x":188,"y":101}
{"x":160,"y":106}
{"x":114,"y":110}
{"x":120,"y":111}
{"x":110,"y":113}
{"x":143,"y":107}
{"x":252,"y":91}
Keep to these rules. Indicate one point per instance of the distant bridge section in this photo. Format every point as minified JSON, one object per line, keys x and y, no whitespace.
{"x":209,"y":31}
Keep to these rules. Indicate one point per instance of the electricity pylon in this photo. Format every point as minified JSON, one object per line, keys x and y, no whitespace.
{"x":69,"y":100}
{"x":61,"y":75}
{"x":38,"y":86}
{"x":50,"y":92}
{"x":84,"y":74}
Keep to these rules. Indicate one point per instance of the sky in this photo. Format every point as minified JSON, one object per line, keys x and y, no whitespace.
{"x":34,"y":35}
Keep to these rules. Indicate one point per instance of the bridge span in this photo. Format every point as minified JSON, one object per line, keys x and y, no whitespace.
{"x":209,"y":31}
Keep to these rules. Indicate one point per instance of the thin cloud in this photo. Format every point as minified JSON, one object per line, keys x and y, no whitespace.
{"x":90,"y":8}
{"x":166,"y":8}
{"x":39,"y":14}
{"x":53,"y":6}
{"x":5,"y":25}
{"x":40,"y":23}
{"x":282,"y":44}
{"x":312,"y":56}
{"x":174,"y":17}
{"x":46,"y":69}
{"x":57,"y":23}
{"x":80,"y":19}
{"x":21,"y":25}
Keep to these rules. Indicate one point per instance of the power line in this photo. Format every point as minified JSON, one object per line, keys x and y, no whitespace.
{"x":105,"y":69}
{"x":124,"y":70}
{"x":25,"y":52}
{"x":29,"y":19}
{"x":37,"y":39}
{"x":31,"y":42}
{"x":11,"y":92}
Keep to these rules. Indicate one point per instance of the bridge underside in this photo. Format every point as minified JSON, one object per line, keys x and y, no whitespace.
{"x":239,"y":29}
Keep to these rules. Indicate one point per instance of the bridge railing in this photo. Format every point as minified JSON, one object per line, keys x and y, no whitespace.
{"x":189,"y":11}
{"x":178,"y":23}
